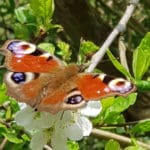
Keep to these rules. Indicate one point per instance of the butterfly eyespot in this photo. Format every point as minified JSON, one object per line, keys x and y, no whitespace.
{"x":17,"y":78}
{"x":75,"y":99}
{"x":120,"y":85}
{"x":21,"y":47}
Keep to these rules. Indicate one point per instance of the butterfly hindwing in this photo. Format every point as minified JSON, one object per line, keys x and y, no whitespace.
{"x":97,"y":86}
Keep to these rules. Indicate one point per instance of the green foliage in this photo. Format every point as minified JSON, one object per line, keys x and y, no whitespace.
{"x":87,"y":48}
{"x":143,"y":85}
{"x":3,"y":95}
{"x":112,"y":145}
{"x":72,"y":145}
{"x":25,"y":15}
{"x":64,"y":50}
{"x":118,"y":66}
{"x":141,"y":127}
{"x":49,"y":47}
{"x":112,"y":109}
{"x":26,"y":24}
{"x":12,"y":138}
{"x":141,"y":57}
{"x":44,"y":10}
{"x":8,"y":107}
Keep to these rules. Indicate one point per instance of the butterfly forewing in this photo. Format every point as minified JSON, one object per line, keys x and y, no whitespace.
{"x":22,"y":56}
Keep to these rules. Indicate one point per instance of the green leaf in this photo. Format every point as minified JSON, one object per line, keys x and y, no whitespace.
{"x":143,"y":85}
{"x":64,"y":52}
{"x":143,"y":126}
{"x":87,"y":48}
{"x":3,"y":95}
{"x":112,"y":145}
{"x":43,"y":10}
{"x":118,"y":66}
{"x":141,"y":57}
{"x":25,"y":15}
{"x":107,"y":102}
{"x":72,"y":145}
{"x":47,"y":47}
{"x":21,"y":17}
{"x":25,"y":137}
{"x":8,"y":113}
{"x":12,"y":138}
{"x":3,"y":129}
{"x":14,"y":105}
{"x":21,"y":31}
{"x":120,"y":104}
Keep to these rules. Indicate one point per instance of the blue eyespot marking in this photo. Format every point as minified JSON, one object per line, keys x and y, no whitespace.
{"x":18,"y":77}
{"x":75,"y":99}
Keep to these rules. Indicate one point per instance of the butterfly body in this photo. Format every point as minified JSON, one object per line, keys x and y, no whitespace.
{"x":41,"y":80}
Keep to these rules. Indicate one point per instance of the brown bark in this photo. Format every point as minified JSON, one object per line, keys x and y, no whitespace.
{"x":79,"y":20}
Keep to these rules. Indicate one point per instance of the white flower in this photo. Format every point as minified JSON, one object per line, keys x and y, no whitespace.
{"x":39,"y":139}
{"x":32,"y":120}
{"x":57,"y":129}
{"x":92,"y":109}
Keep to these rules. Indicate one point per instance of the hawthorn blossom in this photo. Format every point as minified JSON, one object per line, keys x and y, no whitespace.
{"x":57,"y":129}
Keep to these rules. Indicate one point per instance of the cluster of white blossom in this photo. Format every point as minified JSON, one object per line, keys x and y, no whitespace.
{"x":57,"y":129}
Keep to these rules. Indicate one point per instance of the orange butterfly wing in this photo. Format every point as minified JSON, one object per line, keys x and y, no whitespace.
{"x":22,"y":56}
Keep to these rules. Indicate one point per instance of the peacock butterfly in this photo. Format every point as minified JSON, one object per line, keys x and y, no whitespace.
{"x":41,"y":80}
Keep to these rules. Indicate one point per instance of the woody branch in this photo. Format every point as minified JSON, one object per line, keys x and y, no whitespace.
{"x":121,"y":26}
{"x":125,"y":141}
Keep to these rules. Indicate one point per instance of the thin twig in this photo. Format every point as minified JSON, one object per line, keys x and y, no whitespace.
{"x":2,"y":145}
{"x":122,"y":52}
{"x":118,"y":29}
{"x":122,"y":124}
{"x":125,"y":141}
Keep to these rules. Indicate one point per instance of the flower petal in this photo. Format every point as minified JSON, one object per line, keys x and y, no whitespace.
{"x":86,"y":125}
{"x":92,"y":109}
{"x":25,"y":117}
{"x":74,"y":132}
{"x":59,"y":141}
{"x":31,"y":120}
{"x":79,"y":128}
{"x":39,"y":140}
{"x":45,"y":120}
